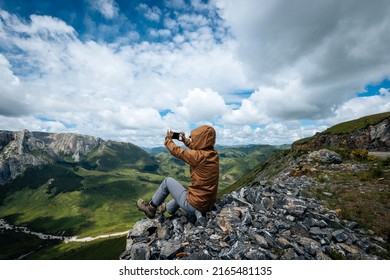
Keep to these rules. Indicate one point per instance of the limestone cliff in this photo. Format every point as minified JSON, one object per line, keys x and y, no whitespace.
{"x":23,"y":149}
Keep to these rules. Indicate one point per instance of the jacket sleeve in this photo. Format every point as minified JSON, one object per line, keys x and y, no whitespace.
{"x":188,"y":156}
{"x":187,"y":142}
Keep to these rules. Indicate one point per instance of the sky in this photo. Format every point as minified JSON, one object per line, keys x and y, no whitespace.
{"x":259,"y":71}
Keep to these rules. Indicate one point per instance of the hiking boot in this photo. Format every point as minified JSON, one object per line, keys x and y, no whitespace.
{"x":162,"y":208}
{"x":145,"y":207}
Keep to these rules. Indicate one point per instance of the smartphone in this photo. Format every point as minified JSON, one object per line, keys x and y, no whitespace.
{"x":176,"y":135}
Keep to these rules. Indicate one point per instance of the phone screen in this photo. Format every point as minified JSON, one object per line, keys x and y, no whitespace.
{"x":176,"y":135}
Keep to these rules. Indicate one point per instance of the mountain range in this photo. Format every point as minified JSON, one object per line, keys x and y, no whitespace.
{"x":21,"y":150}
{"x":69,"y":184}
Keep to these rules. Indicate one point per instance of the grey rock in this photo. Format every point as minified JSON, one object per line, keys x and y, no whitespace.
{"x":299,"y":230}
{"x":340,"y":235}
{"x":320,"y":232}
{"x":325,"y":156}
{"x":283,"y":242}
{"x":289,"y":254}
{"x":310,"y":246}
{"x":261,"y":241}
{"x":247,"y":218}
{"x":143,"y":228}
{"x":351,"y":224}
{"x":139,"y":251}
{"x":199,"y":256}
{"x":163,"y":233}
{"x":266,"y":202}
{"x":170,"y":249}
{"x":236,"y":251}
{"x":255,"y":255}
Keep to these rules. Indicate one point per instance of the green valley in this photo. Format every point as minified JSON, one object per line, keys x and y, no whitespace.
{"x":97,"y":196}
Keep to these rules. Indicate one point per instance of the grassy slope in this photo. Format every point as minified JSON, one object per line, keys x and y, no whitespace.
{"x":349,"y":126}
{"x":235,"y":162}
{"x":102,"y":203}
{"x":265,"y":170}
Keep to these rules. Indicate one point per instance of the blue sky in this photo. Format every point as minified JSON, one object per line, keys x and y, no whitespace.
{"x":260,"y":71}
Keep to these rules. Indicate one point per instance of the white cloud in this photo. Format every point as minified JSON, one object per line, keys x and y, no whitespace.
{"x":42,"y":26}
{"x":170,"y":23}
{"x":384,"y":92}
{"x":108,"y":8}
{"x":303,"y":60}
{"x":276,"y":133}
{"x":191,"y":21}
{"x":248,"y":113}
{"x":330,"y":48}
{"x":160,"y":33}
{"x":201,"y":106}
{"x":12,"y":101}
{"x":125,"y":117}
{"x":109,"y":90}
{"x":199,"y":5}
{"x":176,"y":4}
{"x":150,"y":13}
{"x":362,"y":106}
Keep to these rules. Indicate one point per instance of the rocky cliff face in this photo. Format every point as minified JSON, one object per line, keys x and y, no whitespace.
{"x":373,"y":138}
{"x":23,"y":149}
{"x":270,"y":219}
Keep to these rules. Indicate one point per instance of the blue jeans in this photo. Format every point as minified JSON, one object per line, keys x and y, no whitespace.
{"x":179,"y":194}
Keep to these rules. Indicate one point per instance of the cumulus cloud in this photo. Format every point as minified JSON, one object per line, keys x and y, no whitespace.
{"x":125,"y":117}
{"x":331,"y":49}
{"x":11,"y":100}
{"x":112,"y":90}
{"x":300,"y":60}
{"x":248,"y":113}
{"x":385,"y":92}
{"x":108,"y":8}
{"x":201,"y":106}
{"x":362,"y":106}
{"x":150,"y":13}
{"x":176,"y":4}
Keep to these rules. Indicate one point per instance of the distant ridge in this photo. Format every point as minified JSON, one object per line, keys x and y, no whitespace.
{"x":368,"y":133}
{"x":20,"y":150}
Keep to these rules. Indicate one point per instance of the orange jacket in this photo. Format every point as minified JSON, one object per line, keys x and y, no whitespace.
{"x":204,"y":166}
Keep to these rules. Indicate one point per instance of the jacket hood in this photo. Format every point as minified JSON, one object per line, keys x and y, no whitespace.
{"x":203,"y":138}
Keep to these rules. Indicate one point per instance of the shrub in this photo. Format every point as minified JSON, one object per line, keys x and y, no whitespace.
{"x":375,"y":172}
{"x":386,"y":162}
{"x":344,"y":153}
{"x":360,"y":155}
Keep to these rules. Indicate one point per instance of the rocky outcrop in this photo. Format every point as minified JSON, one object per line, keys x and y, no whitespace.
{"x":72,"y":145}
{"x":23,"y":149}
{"x":374,"y":137}
{"x":265,"y":220}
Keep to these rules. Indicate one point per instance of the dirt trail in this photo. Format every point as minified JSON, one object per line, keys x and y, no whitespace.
{"x":381,"y":155}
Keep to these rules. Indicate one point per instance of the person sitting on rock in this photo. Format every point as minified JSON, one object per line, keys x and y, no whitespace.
{"x":204,"y":169}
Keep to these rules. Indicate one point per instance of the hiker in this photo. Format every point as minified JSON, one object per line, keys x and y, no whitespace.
{"x":204,"y":169}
